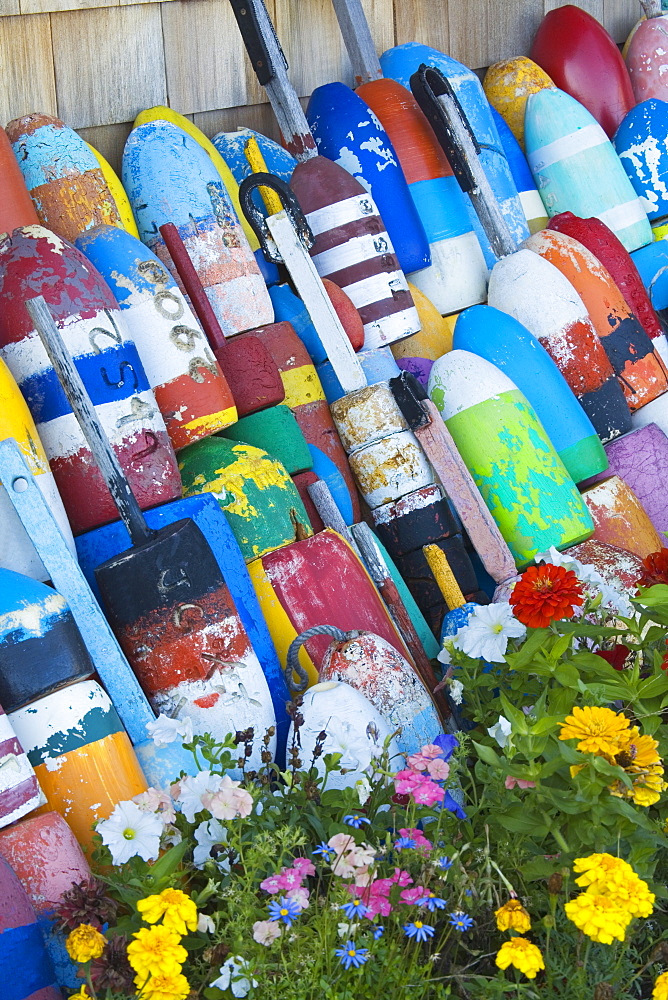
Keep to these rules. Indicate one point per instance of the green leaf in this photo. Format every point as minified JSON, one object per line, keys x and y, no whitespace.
{"x":487,"y":754}
{"x":653,"y":686}
{"x":546,"y":724}
{"x":567,"y":675}
{"x":170,"y":861}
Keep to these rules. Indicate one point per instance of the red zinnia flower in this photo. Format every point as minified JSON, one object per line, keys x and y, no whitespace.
{"x":616,"y":657}
{"x":656,"y":569}
{"x":545,"y":593}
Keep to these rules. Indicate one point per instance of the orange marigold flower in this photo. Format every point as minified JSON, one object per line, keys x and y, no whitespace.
{"x":545,"y":593}
{"x":655,"y":569}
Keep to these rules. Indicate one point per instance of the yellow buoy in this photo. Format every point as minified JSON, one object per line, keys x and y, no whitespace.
{"x":435,"y":336}
{"x":509,"y":84}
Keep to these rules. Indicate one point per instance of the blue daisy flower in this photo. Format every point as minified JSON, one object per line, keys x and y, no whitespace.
{"x":418,"y":930}
{"x":284,"y":909}
{"x":355,"y":908}
{"x":352,"y":957}
{"x":355,"y":820}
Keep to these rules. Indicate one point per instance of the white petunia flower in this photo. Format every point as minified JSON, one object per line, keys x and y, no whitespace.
{"x":486,"y":634}
{"x":205,"y":924}
{"x":456,"y":690}
{"x":188,"y":792}
{"x":209,"y":835}
{"x":501,"y":731}
{"x":130,"y":831}
{"x":588,"y":574}
{"x":233,"y":976}
{"x":363,"y":789}
{"x":165,"y":730}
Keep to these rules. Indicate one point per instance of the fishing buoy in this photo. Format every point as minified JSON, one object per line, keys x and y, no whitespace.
{"x":565,"y":148}
{"x":354,"y":727}
{"x":374,"y":668}
{"x":190,"y":389}
{"x":29,"y":972}
{"x":65,"y":181}
{"x":48,"y":861}
{"x":415,"y":520}
{"x":17,"y":552}
{"x":367,"y":415}
{"x":41,"y":648}
{"x":378,"y":366}
{"x":640,"y":371}
{"x":302,"y":481}
{"x":81,"y":754}
{"x":602,"y":242}
{"x":458,"y":274}
{"x":390,"y":468}
{"x":315,"y":581}
{"x":523,"y":481}
{"x":620,"y":519}
{"x":19,"y":791}
{"x":583,"y":60}
{"x":349,"y":133}
{"x":401,"y":63}
{"x":232,"y":148}
{"x":16,"y":206}
{"x":536,"y":293}
{"x":652,"y":264}
{"x":253,"y":489}
{"x":640,"y":143}
{"x":170,"y":178}
{"x":289,"y":308}
{"x":276,"y":431}
{"x":620,"y":568}
{"x":505,"y":343}
{"x":646,"y":59}
{"x":507,"y":86}
{"x":117,"y":191}
{"x":33,"y":261}
{"x":417,"y":354}
{"x":532,"y":203}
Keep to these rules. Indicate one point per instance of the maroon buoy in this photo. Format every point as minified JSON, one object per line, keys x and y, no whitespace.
{"x":28,"y":973}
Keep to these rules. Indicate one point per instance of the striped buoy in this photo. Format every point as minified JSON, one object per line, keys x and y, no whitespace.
{"x":520,"y":476}
{"x":507,"y":86}
{"x":64,"y":179}
{"x":41,"y":648}
{"x":639,"y":369}
{"x":566,"y":148}
{"x":640,"y":143}
{"x":536,"y":293}
{"x":289,"y":308}
{"x":190,"y":389}
{"x":82,"y":756}
{"x":583,"y":60}
{"x":348,"y":132}
{"x":602,"y":242}
{"x":28,"y":970}
{"x":34,"y":261}
{"x":505,"y":343}
{"x":17,"y":551}
{"x":170,"y":178}
{"x":620,"y":519}
{"x":19,"y":790}
{"x":646,"y":59}
{"x":532,"y":203}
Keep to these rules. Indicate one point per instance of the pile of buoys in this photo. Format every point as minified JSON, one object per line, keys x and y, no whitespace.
{"x":504,"y":403}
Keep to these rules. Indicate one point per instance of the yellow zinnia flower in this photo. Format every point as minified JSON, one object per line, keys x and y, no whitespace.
{"x":513,"y":917}
{"x":596,"y":870}
{"x":647,"y":787}
{"x":606,"y":875}
{"x":81,"y":994}
{"x":156,"y":951}
{"x":660,"y":991}
{"x":85,"y":942}
{"x":598,"y":730}
{"x":638,"y":752}
{"x":522,"y":955}
{"x":599,"y":917}
{"x":177,"y":908}
{"x":164,"y":988}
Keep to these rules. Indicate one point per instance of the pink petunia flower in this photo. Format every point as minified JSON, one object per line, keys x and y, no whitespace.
{"x":412,"y":895}
{"x":300,"y":896}
{"x":511,"y":782}
{"x":271,"y":884}
{"x":400,"y":877}
{"x":438,"y":769}
{"x":303,"y":866}
{"x":412,"y":833}
{"x":428,"y":794}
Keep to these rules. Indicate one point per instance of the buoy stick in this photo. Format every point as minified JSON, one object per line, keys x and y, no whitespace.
{"x":358,"y":41}
{"x":256,"y":162}
{"x":192,"y":285}
{"x":330,"y":515}
{"x":445,"y":578}
{"x":651,"y":8}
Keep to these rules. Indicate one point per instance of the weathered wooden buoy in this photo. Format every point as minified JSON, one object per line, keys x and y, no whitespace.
{"x":532,"y":203}
{"x":507,"y":86}
{"x":619,"y":568}
{"x":401,"y":62}
{"x":118,"y":194}
{"x":33,"y":261}
{"x":536,"y":293}
{"x":378,"y":366}
{"x":646,"y":58}
{"x":417,"y":354}
{"x":315,"y":581}
{"x":305,"y":397}
{"x":415,"y":520}
{"x":47,"y":860}
{"x":81,"y":754}
{"x":620,"y":519}
{"x":29,"y":972}
{"x":639,"y":369}
{"x":19,"y":791}
{"x":170,"y":178}
{"x":350,"y":319}
{"x":602,"y":242}
{"x":64,"y":179}
{"x":505,"y":343}
{"x":190,"y":389}
{"x":457,"y":276}
{"x":374,"y":668}
{"x":41,"y":648}
{"x":390,"y":468}
{"x":349,"y":133}
{"x":253,"y":489}
{"x":566,"y":147}
{"x":355,"y":729}
{"x":640,"y":145}
{"x":524,"y":483}
{"x":583,"y":60}
{"x":276,"y":431}
{"x":366,"y":416}
{"x":17,"y":552}
{"x":16,"y":206}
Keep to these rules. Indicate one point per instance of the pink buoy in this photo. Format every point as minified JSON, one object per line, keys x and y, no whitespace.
{"x":27,"y":970}
{"x":19,"y":791}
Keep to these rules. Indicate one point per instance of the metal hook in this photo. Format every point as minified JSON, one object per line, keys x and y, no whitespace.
{"x":257,"y":220}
